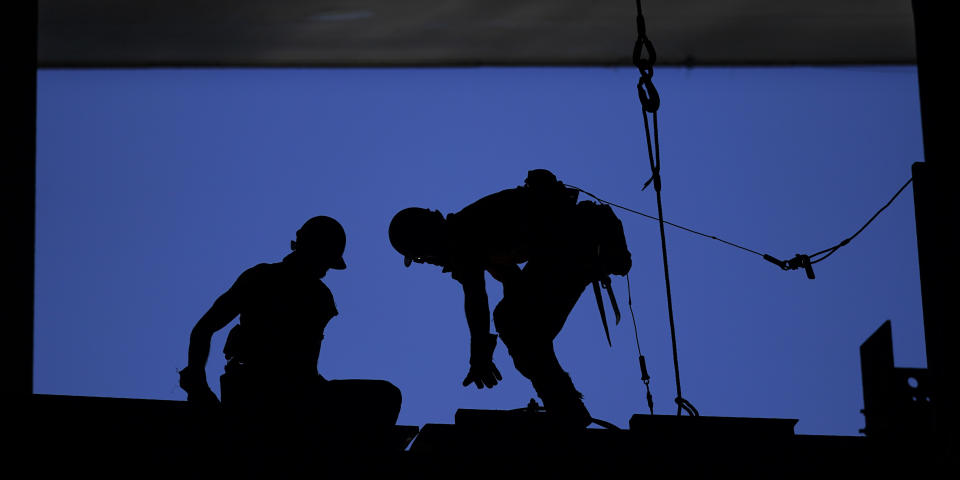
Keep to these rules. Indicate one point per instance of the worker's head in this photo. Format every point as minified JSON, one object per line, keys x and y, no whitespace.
{"x":419,"y":235}
{"x":321,"y":241}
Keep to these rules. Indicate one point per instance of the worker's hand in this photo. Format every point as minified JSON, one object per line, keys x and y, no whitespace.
{"x":194,"y":382}
{"x":483,"y":372}
{"x":487,"y":375}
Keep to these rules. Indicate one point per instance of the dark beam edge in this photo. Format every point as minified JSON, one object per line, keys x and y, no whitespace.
{"x":453,"y":64}
{"x":935,"y":199}
{"x":19,"y":199}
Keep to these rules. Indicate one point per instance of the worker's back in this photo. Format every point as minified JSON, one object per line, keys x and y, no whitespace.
{"x":274,"y":348}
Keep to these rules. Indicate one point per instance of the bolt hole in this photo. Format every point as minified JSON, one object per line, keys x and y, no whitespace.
{"x":913,"y":382}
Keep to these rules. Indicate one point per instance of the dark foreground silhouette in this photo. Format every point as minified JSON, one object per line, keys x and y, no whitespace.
{"x":271,"y":384}
{"x":566,"y":246}
{"x":122,"y":438}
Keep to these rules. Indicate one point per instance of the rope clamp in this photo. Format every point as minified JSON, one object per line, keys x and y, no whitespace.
{"x":797,"y":262}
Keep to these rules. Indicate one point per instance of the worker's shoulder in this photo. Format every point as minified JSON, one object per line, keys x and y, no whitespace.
{"x":260,"y":272}
{"x":500,"y":202}
{"x":263,"y":269}
{"x":508,"y":195}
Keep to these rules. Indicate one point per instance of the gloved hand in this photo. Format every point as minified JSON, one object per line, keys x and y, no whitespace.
{"x":194,"y":382}
{"x":482,"y":370}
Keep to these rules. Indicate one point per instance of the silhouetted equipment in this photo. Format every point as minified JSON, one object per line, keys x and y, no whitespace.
{"x":605,"y":281}
{"x":799,"y":261}
{"x":645,"y":377}
{"x":806,"y":261}
{"x":898,"y":402}
{"x":644,"y":57}
{"x":603,"y":314}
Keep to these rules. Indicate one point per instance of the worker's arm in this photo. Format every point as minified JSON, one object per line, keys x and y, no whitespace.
{"x":482,"y":372}
{"x":193,"y":378}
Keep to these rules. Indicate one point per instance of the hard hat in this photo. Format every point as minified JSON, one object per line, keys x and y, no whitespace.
{"x":413,"y":230}
{"x":324,"y":236}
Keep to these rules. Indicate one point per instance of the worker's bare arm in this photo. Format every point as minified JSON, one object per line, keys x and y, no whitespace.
{"x":193,"y":378}
{"x":223,"y":311}
{"x":475,"y":304}
{"x":482,"y":372}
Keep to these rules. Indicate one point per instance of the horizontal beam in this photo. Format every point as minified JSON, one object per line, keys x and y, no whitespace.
{"x":327,"y":33}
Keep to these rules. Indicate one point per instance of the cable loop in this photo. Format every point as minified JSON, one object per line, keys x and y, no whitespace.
{"x":683,"y":404}
{"x":795,"y":263}
{"x":648,"y":95}
{"x":644,"y":43}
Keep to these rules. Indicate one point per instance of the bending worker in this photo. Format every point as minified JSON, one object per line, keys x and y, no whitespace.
{"x":272,"y":352}
{"x":566,"y":245}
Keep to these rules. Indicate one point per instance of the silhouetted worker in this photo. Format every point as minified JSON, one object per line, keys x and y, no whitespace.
{"x":566,"y":245}
{"x":272,"y":353}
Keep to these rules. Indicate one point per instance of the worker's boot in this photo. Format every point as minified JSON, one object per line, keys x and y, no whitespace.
{"x":563,"y":403}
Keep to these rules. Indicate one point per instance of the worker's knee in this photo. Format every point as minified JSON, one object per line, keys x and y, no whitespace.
{"x":390,"y":395}
{"x":505,"y":314}
{"x":388,"y":398}
{"x":535,"y":362}
{"x":378,"y":399}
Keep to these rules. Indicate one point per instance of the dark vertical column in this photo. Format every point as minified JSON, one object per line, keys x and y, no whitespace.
{"x":876,"y":367}
{"x":19,"y":92}
{"x":935,"y":202}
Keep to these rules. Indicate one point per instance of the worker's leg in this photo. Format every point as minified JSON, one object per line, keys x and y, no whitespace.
{"x":537,"y":361}
{"x":365,"y":403}
{"x":284,"y":401}
{"x":528,"y":318}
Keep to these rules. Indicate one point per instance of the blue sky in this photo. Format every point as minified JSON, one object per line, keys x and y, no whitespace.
{"x":157,"y":187}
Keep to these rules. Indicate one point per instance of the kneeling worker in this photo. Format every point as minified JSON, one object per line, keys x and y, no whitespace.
{"x":272,"y":353}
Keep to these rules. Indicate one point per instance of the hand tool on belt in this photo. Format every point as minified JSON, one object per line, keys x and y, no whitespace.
{"x":605,"y":281}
